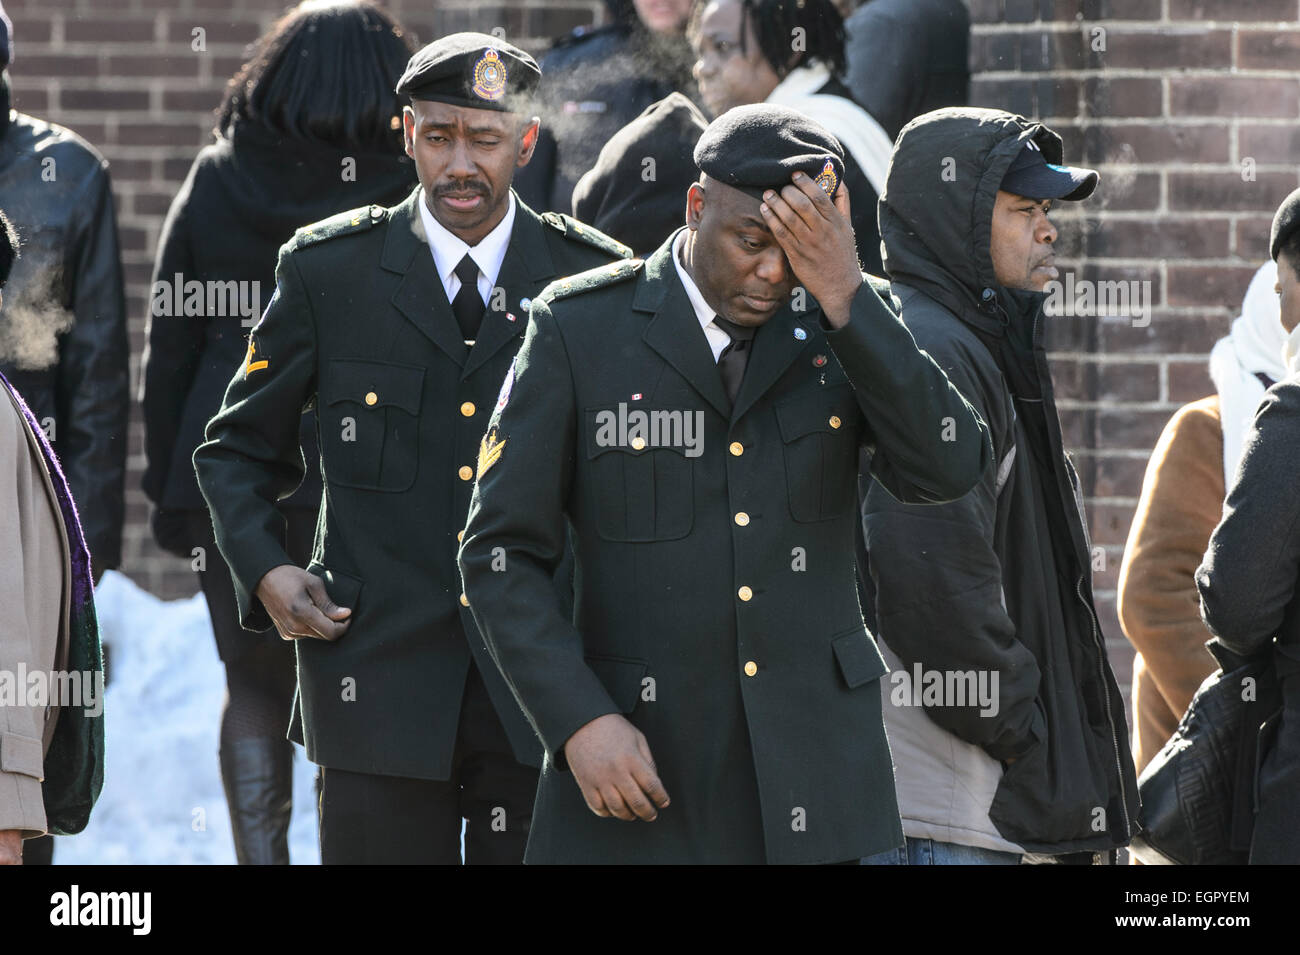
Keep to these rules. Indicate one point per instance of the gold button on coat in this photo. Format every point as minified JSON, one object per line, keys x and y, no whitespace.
{"x":464,"y":601}
{"x":638,"y":443}
{"x":751,"y":668}
{"x":736,"y":448}
{"x":468,"y":409}
{"x":742,"y":519}
{"x":371,"y":397}
{"x":460,"y":536}
{"x":744,"y":593}
{"x":835,"y":421}
{"x":466,"y":472}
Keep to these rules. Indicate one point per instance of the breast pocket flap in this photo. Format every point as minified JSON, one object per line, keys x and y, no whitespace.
{"x":810,"y":415}
{"x":376,"y":384}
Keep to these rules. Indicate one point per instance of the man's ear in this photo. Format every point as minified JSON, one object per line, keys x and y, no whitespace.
{"x":528,"y":141}
{"x":408,"y":130}
{"x":695,"y":205}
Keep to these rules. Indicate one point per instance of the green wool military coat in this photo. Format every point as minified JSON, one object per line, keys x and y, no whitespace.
{"x":360,"y":327}
{"x":716,"y":605}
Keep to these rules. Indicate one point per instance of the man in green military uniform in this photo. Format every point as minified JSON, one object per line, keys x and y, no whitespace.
{"x":696,"y":420}
{"x":399,"y":326}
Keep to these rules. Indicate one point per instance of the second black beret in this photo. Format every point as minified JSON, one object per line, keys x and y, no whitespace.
{"x":757,"y":147}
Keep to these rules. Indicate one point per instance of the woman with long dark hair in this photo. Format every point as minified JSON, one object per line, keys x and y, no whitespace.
{"x":309,"y":127}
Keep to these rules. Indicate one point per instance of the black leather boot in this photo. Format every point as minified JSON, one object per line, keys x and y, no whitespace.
{"x":257,"y":775}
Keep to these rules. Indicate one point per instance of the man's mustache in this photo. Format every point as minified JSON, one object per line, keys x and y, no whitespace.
{"x":469,"y":188}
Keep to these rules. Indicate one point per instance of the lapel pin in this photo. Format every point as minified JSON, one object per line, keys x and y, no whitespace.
{"x":510,"y":316}
{"x":819,"y":361}
{"x":637,"y":396}
{"x":799,"y":333}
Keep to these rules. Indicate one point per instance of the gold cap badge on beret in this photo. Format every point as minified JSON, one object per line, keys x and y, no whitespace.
{"x":490,"y":76}
{"x":827,"y":179}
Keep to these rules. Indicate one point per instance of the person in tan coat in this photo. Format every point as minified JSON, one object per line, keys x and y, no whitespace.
{"x":1181,"y":503}
{"x":1159,"y":608}
{"x":35,"y":579}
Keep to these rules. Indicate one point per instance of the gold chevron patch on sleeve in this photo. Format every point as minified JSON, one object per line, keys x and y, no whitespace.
{"x":249,"y":364}
{"x":489,"y":452}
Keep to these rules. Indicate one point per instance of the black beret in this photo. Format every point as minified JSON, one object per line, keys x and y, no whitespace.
{"x":620,"y":199}
{"x":1285,"y":222}
{"x":759,"y":146}
{"x":470,"y":69}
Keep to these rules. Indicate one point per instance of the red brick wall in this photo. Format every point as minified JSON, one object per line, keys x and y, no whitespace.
{"x":1181,"y":101}
{"x":123,"y":75}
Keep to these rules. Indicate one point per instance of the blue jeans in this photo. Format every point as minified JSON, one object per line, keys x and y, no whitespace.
{"x":929,"y":852}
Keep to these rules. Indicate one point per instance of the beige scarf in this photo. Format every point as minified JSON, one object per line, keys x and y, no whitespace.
{"x":852,"y":125}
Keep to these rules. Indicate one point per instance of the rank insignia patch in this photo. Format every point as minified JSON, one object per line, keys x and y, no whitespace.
{"x":249,"y":364}
{"x":489,"y":452}
{"x":827,"y":179}
{"x":490,"y":76}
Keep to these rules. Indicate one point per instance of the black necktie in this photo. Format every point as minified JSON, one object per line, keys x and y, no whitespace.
{"x":467,"y":306}
{"x":732,"y":361}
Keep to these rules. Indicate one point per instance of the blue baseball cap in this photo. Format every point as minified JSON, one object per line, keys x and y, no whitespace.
{"x":1033,"y":177}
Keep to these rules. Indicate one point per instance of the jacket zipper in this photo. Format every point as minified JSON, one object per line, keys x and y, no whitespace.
{"x":1096,"y":630}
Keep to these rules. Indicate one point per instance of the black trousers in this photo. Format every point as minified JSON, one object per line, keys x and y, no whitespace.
{"x":367,"y":819}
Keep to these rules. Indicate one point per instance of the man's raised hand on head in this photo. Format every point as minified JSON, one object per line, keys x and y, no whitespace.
{"x":817,"y":238}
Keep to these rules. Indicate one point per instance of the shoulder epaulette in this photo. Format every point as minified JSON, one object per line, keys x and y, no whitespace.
{"x":571,"y":228}
{"x":619,"y":271}
{"x":345,"y":223}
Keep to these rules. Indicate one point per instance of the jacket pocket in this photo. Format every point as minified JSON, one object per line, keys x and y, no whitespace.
{"x":22,"y":754}
{"x":621,"y":677}
{"x":343,"y":589}
{"x":641,"y":491}
{"x":858,"y":657}
{"x":369,"y":423}
{"x":821,"y":453}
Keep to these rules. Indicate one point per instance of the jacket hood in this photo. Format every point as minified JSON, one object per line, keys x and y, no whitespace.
{"x":936,"y":214}
{"x":278,"y":183}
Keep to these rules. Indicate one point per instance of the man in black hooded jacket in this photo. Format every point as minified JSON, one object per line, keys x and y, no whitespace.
{"x":1005,"y":720}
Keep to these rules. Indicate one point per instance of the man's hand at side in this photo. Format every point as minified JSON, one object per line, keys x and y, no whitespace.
{"x":610,"y":759}
{"x":299,"y":605}
{"x":817,"y":239}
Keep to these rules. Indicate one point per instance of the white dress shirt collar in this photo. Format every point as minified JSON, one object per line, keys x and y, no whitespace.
{"x":717,"y":338}
{"x":448,"y":250}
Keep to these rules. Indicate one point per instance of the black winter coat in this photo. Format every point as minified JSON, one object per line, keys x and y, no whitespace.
{"x":594,"y":83}
{"x":1250,"y":594}
{"x":244,"y":197}
{"x":907,"y":57}
{"x":63,"y":341}
{"x":1001,"y":579}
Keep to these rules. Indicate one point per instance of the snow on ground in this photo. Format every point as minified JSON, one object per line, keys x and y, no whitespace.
{"x":162,"y":801}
